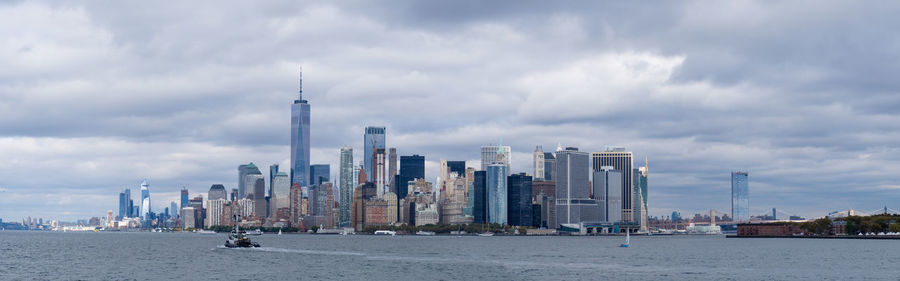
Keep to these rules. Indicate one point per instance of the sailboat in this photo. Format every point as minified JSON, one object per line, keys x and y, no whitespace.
{"x":627,"y":239}
{"x":485,"y":234}
{"x":279,"y":231}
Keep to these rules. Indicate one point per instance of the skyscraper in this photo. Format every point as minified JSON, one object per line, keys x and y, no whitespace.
{"x":491,"y":154}
{"x":273,"y":169}
{"x":145,"y":201}
{"x":125,"y":203}
{"x":392,"y":168}
{"x":411,"y":167}
{"x":623,"y":161}
{"x":300,"y":138}
{"x":538,"y":163}
{"x":347,"y":185}
{"x":459,"y":167}
{"x":496,"y":188}
{"x":519,"y":199}
{"x":740,"y":197}
{"x":572,"y":188}
{"x":259,"y":199}
{"x":173,"y":210}
{"x":184,"y":197}
{"x":248,"y":175}
{"x":319,"y":173}
{"x":372,"y":140}
{"x":280,"y":203}
{"x":549,"y":166}
{"x":217,"y":191}
{"x":607,"y":186}
{"x":480,"y":206}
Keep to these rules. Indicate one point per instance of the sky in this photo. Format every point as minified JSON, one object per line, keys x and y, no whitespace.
{"x":97,"y":96}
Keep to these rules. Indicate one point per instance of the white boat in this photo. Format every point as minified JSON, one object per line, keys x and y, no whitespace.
{"x":385,"y":232}
{"x":206,"y":232}
{"x":279,"y":232}
{"x":425,"y":233}
{"x":627,"y":240}
{"x":486,"y":234}
{"x":256,"y":232}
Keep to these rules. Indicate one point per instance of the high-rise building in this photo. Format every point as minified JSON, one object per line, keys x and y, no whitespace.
{"x":458,"y":167}
{"x":184,"y":197}
{"x":493,"y":153}
{"x":300,"y":138}
{"x":189,"y":217}
{"x":607,"y":186}
{"x":280,"y":203}
{"x":145,"y":201}
{"x":496,"y":188}
{"x":480,"y":197}
{"x":411,"y":168}
{"x":214,"y":211}
{"x":273,"y":170}
{"x":519,"y":200}
{"x":640,"y":197}
{"x":259,"y":199}
{"x":319,"y":173}
{"x":217,"y":191}
{"x":246,"y":186}
{"x":372,"y":141}
{"x":573,"y":202}
{"x":347,"y":185}
{"x":173,"y":210}
{"x":380,"y":173}
{"x":392,"y":168}
{"x":621,"y":160}
{"x":740,"y":197}
{"x":549,"y":166}
{"x":125,"y":203}
{"x":538,"y":163}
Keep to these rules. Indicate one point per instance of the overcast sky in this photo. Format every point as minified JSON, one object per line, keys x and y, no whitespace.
{"x":96,"y":96}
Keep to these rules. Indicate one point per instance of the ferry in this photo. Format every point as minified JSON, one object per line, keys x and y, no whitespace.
{"x":385,"y":232}
{"x":255,"y":232}
{"x":425,"y":233}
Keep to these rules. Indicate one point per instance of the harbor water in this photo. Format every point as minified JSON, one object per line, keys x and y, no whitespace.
{"x":190,"y":256}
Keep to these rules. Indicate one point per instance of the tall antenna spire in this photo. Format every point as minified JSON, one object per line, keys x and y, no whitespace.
{"x":300,"y":96}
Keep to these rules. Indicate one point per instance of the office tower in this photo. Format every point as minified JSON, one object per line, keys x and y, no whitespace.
{"x":538,"y":163}
{"x":214,"y":211}
{"x":347,"y":185}
{"x":574,"y":204}
{"x":189,"y":217}
{"x":145,"y":201}
{"x":280,"y":203}
{"x":296,"y":203}
{"x":519,"y":200}
{"x":124,"y":208}
{"x":319,"y":173}
{"x":259,"y":199}
{"x":620,"y":160}
{"x":217,"y":191}
{"x":364,"y":191}
{"x":454,"y":201}
{"x":493,"y":153}
{"x":380,"y":172}
{"x":496,"y":187}
{"x":479,"y":187}
{"x":547,"y":188}
{"x":130,"y":204}
{"x":392,"y":168}
{"x":173,"y":210}
{"x":740,"y":197}
{"x":234,"y":195}
{"x":273,"y":170}
{"x":607,"y":186}
{"x":458,"y":167}
{"x":246,"y":186}
{"x":640,"y":197}
{"x":411,"y":168}
{"x":300,"y":138}
{"x":324,"y":205}
{"x":356,"y":170}
{"x":184,"y":197}
{"x":372,"y":141}
{"x":549,"y":166}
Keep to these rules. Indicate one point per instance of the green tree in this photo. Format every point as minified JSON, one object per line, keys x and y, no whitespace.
{"x":894,"y":227}
{"x":315,"y":228}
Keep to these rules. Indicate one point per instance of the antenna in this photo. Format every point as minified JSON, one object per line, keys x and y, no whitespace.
{"x":301,"y":83}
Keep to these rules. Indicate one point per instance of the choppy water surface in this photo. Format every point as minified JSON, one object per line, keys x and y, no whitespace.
{"x":181,"y":256}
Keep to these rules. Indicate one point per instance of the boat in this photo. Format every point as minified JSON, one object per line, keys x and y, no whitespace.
{"x":425,"y":233}
{"x":238,"y":238}
{"x":206,"y":232}
{"x":385,"y":232}
{"x":255,"y":232}
{"x":279,"y":232}
{"x":627,"y":239}
{"x":486,"y":234}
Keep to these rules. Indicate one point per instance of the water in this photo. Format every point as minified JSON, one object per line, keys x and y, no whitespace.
{"x":182,"y":256}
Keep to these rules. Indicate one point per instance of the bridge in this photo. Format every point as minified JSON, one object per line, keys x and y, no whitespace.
{"x":852,"y":212}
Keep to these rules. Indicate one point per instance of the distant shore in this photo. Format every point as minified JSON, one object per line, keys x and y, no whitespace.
{"x":881,"y":237}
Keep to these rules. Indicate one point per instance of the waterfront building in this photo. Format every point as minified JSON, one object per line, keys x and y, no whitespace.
{"x":392,"y":169}
{"x":217,"y":191}
{"x":496,"y":187}
{"x":300,"y":113}
{"x":426,"y":214}
{"x":184,"y":197}
{"x":296,"y":204}
{"x":189,"y":217}
{"x":519,"y":200}
{"x":249,"y":174}
{"x":607,"y":186}
{"x":145,"y":202}
{"x":454,"y":200}
{"x":364,"y":191}
{"x":549,"y":166}
{"x":214,"y":210}
{"x":491,"y":154}
{"x":621,"y":160}
{"x":280,"y":202}
{"x":411,"y":168}
{"x":319,"y":173}
{"x":573,"y":202}
{"x":480,"y":197}
{"x":244,"y":208}
{"x":347,"y":183}
{"x":381,"y":210}
{"x":539,"y":165}
{"x":372,"y":141}
{"x":740,"y":197}
{"x":324,"y":204}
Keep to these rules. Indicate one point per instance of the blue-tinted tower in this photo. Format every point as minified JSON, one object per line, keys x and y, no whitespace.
{"x":300,"y":139}
{"x":411,"y":167}
{"x":740,"y":197}
{"x":496,"y":188}
{"x":372,"y":142}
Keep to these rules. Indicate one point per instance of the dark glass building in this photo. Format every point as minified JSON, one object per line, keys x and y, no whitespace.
{"x":457,"y":166}
{"x":411,"y":167}
{"x":479,"y":186}
{"x":518,"y":200}
{"x":319,"y":173}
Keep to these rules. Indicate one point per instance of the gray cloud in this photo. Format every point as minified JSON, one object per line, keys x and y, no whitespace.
{"x":94,"y":98}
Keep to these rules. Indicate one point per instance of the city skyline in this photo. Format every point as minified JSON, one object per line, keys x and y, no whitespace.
{"x":131,"y":100}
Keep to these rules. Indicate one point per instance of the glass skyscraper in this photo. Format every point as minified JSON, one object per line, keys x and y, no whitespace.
{"x":145,"y":201}
{"x":621,"y":160}
{"x":372,"y":142}
{"x":480,"y":202}
{"x":496,"y":188}
{"x":300,"y":139}
{"x":519,"y":200}
{"x":457,"y":166}
{"x":740,"y":197}
{"x":347,"y":186}
{"x":411,"y":167}
{"x":319,"y":173}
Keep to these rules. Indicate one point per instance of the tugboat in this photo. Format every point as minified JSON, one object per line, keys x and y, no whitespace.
{"x":239,"y":239}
